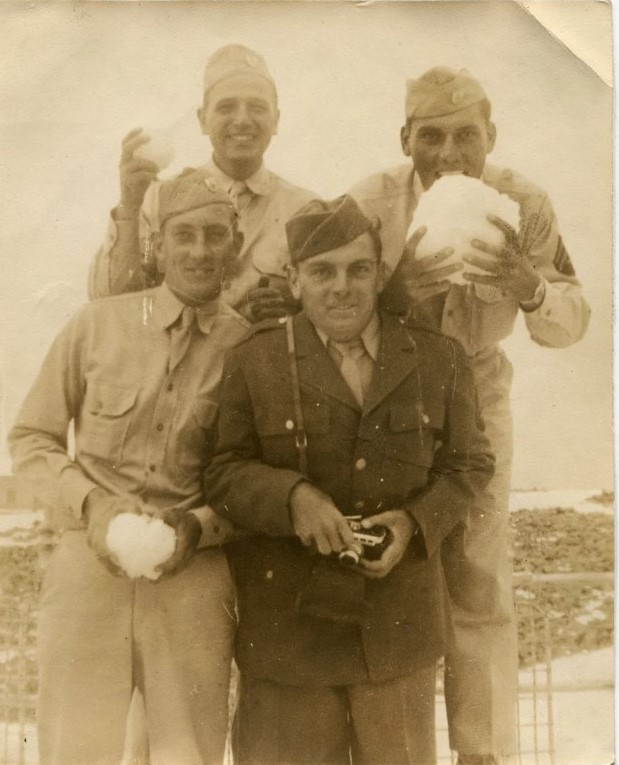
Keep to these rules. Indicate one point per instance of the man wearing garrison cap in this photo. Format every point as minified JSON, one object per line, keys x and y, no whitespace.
{"x":341,"y":411}
{"x":138,"y":376}
{"x":239,"y":114}
{"x":448,"y":130}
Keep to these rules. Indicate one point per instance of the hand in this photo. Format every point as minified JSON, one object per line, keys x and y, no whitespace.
{"x":100,"y":508}
{"x":402,"y":527}
{"x":421,"y":277}
{"x":269,"y":302}
{"x":508,"y":269}
{"x":136,"y":174}
{"x":188,"y":532}
{"x":317,"y":521}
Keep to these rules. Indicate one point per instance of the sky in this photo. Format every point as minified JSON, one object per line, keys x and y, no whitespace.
{"x":75,"y":78}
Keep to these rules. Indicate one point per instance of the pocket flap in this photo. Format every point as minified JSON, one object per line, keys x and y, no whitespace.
{"x":110,"y":400}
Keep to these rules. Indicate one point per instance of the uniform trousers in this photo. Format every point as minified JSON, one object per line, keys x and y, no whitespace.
{"x":481,"y":678}
{"x":389,"y":723}
{"x":101,"y":635}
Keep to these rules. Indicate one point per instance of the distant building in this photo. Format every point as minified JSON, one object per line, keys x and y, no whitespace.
{"x":15,"y":496}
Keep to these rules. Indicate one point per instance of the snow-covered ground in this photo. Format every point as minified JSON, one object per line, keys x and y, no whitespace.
{"x":578,"y":499}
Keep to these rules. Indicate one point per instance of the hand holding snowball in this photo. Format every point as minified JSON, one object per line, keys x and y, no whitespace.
{"x":100,"y":509}
{"x":136,"y":172}
{"x":508,"y":270}
{"x":425,"y":277}
{"x":188,"y":532}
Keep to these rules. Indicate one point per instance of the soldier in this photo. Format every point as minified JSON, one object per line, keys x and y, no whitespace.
{"x":448,"y":130}
{"x":239,"y":114}
{"x":138,"y":375}
{"x":340,"y":411}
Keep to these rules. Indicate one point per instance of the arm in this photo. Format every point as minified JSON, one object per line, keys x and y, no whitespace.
{"x":117,"y":266}
{"x":556,"y":315}
{"x":38,"y":440}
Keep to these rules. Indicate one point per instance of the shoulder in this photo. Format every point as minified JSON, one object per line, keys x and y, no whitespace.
{"x":296,"y":194}
{"x":430,"y":342}
{"x":390,"y":182}
{"x":508,"y":181}
{"x":262,"y":335}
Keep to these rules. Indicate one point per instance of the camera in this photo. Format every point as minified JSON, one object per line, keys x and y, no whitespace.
{"x":370,"y":543}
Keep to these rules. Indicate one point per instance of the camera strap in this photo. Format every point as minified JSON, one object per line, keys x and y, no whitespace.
{"x":300,"y":436}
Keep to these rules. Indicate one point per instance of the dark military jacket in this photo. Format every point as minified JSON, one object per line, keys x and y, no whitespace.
{"x":416,"y":445}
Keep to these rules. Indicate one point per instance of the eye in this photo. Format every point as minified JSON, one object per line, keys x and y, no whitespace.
{"x":467,"y":135}
{"x":320,"y":273}
{"x":430,"y":136}
{"x":183,"y":237}
{"x":363,"y":269}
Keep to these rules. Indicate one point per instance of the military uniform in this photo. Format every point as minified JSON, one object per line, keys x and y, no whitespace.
{"x":415,"y":445}
{"x":483,"y":657}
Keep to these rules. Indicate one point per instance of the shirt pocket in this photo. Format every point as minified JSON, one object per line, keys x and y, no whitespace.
{"x":105,"y":420}
{"x":195,"y":438}
{"x":277,"y":431}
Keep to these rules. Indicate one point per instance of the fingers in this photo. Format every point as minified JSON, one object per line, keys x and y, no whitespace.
{"x":131,"y":142}
{"x":493,"y":264}
{"x":411,"y":244}
{"x":429,"y":262}
{"x":511,"y":236}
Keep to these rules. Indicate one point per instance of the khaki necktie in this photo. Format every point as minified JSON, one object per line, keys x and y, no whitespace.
{"x":180,"y":336}
{"x":356,"y":366}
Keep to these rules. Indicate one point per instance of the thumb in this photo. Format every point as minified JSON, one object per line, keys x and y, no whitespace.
{"x":375,"y":520}
{"x":411,"y":245}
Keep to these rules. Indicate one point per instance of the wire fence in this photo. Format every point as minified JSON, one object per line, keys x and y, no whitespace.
{"x":536,"y":744}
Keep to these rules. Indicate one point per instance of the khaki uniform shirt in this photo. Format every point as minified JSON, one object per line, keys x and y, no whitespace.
{"x":139,"y":430}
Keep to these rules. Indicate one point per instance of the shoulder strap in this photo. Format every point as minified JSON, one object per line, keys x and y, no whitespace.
{"x":300,"y":438}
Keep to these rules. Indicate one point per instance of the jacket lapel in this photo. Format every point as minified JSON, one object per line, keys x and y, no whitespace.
{"x":317,"y":369}
{"x":397,"y":358}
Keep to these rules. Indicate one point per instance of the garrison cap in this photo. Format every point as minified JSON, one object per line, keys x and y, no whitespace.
{"x":189,"y":192}
{"x":321,"y":226}
{"x":232,"y":60}
{"x":441,"y":91}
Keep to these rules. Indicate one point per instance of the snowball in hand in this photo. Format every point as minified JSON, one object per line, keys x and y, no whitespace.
{"x":140,"y":543}
{"x":159,"y":149}
{"x":454,"y":210}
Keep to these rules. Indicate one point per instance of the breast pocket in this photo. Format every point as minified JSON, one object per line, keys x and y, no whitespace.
{"x":105,"y":420}
{"x":195,"y":438}
{"x":277,"y":430}
{"x":414,"y":432}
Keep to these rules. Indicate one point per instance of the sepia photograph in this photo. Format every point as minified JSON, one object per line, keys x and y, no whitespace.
{"x":306,"y":383}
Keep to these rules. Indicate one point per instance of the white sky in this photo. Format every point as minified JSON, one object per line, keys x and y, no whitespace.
{"x":75,"y":78}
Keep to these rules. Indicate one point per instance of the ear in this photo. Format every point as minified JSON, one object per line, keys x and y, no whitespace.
{"x":292,"y":275}
{"x":201,"y":115}
{"x":405,"y":134}
{"x":158,"y":250}
{"x":276,"y":122}
{"x":491,"y":136}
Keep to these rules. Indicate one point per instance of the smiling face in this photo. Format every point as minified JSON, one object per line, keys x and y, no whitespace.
{"x":240,"y":117}
{"x":194,"y":249}
{"x":453,"y":143}
{"x":339,"y":289}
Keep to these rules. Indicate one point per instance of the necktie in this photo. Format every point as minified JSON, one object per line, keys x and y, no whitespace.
{"x":355,"y":364}
{"x":240,"y":195}
{"x":180,"y":335}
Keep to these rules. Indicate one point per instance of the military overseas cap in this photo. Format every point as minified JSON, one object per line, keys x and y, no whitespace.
{"x":232,"y":60}
{"x":189,"y":192}
{"x":441,"y":91}
{"x":322,"y":226}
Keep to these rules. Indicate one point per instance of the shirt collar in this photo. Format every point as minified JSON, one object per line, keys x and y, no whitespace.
{"x":258,"y":183}
{"x":167,"y":308}
{"x":370,"y":337}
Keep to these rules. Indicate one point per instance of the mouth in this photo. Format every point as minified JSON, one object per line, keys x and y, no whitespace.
{"x":243,"y":138}
{"x":451,"y":172}
{"x":343,"y":309}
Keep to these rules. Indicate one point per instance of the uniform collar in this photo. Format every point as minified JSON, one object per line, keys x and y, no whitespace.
{"x":167,"y":308}
{"x":370,"y":337}
{"x":258,"y":183}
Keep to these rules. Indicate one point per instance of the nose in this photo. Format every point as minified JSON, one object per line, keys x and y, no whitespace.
{"x":340,"y":283}
{"x":241,"y":113}
{"x":199,"y":248}
{"x":448,"y":149}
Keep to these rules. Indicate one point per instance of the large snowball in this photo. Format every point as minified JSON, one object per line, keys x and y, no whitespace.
{"x":140,"y":543}
{"x":454,"y":210}
{"x":159,"y":149}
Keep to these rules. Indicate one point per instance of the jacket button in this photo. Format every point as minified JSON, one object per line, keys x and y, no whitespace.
{"x":359,"y":505}
{"x":360,"y":464}
{"x":289,"y":424}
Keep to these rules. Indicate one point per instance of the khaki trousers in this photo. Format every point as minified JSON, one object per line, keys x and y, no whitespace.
{"x":101,"y":635}
{"x":481,"y":678}
{"x":389,"y":723}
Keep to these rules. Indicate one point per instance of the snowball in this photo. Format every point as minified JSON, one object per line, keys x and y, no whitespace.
{"x":454,"y":210}
{"x":140,"y":543}
{"x":159,"y":149}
